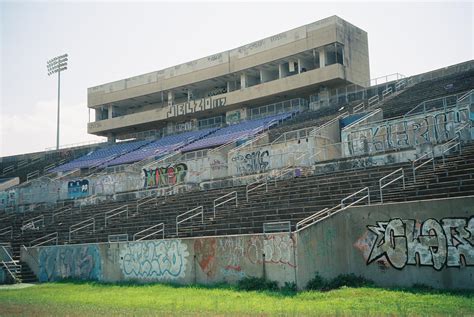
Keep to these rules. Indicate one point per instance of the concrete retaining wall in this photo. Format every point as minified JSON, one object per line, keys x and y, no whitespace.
{"x":427,"y":242}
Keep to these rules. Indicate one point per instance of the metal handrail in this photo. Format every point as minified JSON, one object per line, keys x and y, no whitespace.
{"x":49,"y":167}
{"x":6,"y":230}
{"x":32,"y":175}
{"x":373,"y":100}
{"x":145,"y":200}
{"x":262,"y":183}
{"x":92,"y":223}
{"x":402,"y":176}
{"x":314,"y":132}
{"x":422,"y":164}
{"x":60,"y":211}
{"x":34,"y":220}
{"x":117,"y":237}
{"x":8,"y":254}
{"x":423,"y":103}
{"x":8,"y":169}
{"x":359,"y":107}
{"x":190,"y":217}
{"x":87,"y":200}
{"x":151,"y":234}
{"x":13,"y":275}
{"x":387,"y":92}
{"x":234,"y":193}
{"x":358,"y":200}
{"x":467,"y":94}
{"x":286,"y":170}
{"x":115,"y":212}
{"x":326,"y":212}
{"x":54,"y":236}
{"x":269,"y":227}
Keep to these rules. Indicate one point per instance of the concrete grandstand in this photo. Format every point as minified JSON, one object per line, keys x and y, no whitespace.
{"x":280,"y":158}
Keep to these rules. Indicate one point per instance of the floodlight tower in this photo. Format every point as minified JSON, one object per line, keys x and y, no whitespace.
{"x":57,"y":65}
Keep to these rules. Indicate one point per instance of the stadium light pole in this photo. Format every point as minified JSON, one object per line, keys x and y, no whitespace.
{"x":57,"y":65}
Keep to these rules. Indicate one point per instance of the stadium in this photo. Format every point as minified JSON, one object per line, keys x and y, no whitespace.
{"x":278,"y":159}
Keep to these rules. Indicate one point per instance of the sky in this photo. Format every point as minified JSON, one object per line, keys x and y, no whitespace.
{"x":108,"y":41}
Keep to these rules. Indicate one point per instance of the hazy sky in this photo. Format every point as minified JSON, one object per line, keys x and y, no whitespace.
{"x":108,"y":41}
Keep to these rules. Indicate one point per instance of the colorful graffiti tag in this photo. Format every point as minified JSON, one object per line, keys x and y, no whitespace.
{"x":154,"y":260}
{"x":79,"y":188}
{"x":398,"y":243}
{"x":165,"y":176}
{"x":78,"y":262}
{"x":432,"y":128}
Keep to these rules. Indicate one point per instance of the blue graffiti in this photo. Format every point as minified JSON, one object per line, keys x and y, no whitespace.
{"x":154,"y":259}
{"x":78,"y":262}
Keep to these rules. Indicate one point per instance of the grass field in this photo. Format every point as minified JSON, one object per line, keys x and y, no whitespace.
{"x":91,"y":299}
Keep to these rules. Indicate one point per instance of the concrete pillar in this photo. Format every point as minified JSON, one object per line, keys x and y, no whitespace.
{"x":243,"y":81}
{"x":170,"y":98}
{"x":190,"y":94}
{"x":302,"y":63}
{"x":282,"y":70}
{"x":322,"y":57}
{"x":110,"y":111}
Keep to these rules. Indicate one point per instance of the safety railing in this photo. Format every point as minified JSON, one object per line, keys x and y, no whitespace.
{"x":365,"y":189}
{"x":161,"y":225}
{"x":27,"y":251}
{"x":373,"y":100}
{"x":283,"y":172}
{"x":22,"y":164}
{"x":66,"y":175}
{"x":115,"y":212}
{"x":5,"y":231}
{"x":228,"y":197}
{"x":464,"y":96}
{"x":13,"y":269}
{"x":8,"y":169}
{"x":439,"y":103}
{"x":249,"y":142}
{"x":90,"y":200}
{"x":49,"y":167}
{"x":400,"y":84}
{"x":254,"y":186}
{"x":280,"y":226}
{"x":400,"y":171}
{"x":90,"y":222}
{"x":58,"y":212}
{"x":144,"y":201}
{"x":195,"y":214}
{"x":317,"y":131}
{"x":415,"y":166}
{"x":45,"y":239}
{"x":322,"y":214}
{"x":32,"y":175}
{"x":121,"y":237}
{"x":31,"y":223}
{"x":387,"y":92}
{"x":358,"y":108}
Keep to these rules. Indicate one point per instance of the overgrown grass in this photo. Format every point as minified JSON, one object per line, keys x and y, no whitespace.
{"x":93,"y":299}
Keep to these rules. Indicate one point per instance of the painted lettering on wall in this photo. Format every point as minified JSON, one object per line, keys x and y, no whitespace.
{"x":448,"y":242}
{"x":253,"y":162}
{"x":156,"y":260}
{"x":165,"y":176}
{"x":195,"y":106}
{"x":278,"y":249}
{"x":77,"y":189}
{"x":434,"y":128}
{"x":233,"y":117}
{"x":78,"y":262}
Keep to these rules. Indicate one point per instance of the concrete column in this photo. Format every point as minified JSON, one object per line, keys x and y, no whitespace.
{"x":243,"y":81}
{"x":110,"y":112}
{"x":302,"y":63}
{"x":170,"y":98}
{"x":190,"y":94}
{"x":282,"y":70}
{"x":322,"y":57}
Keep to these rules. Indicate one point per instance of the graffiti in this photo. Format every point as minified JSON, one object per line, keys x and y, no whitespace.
{"x":233,"y":117}
{"x":398,"y":243}
{"x":165,"y":176}
{"x":277,"y":249}
{"x":254,"y":162}
{"x":79,"y":262}
{"x":231,"y":251}
{"x":431,"y":128}
{"x":205,"y":250}
{"x":29,"y":226}
{"x":217,"y":165}
{"x":195,"y":106}
{"x":76,"y":189}
{"x":233,"y":272}
{"x":354,"y":163}
{"x":154,"y":259}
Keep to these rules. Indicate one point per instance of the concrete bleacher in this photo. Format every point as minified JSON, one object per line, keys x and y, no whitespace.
{"x":286,"y":200}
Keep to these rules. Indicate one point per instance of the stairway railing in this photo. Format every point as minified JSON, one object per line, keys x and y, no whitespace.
{"x":90,"y":222}
{"x":232,"y":195}
{"x":201,"y":213}
{"x":162,"y":230}
{"x":401,"y":176}
{"x":115,"y":212}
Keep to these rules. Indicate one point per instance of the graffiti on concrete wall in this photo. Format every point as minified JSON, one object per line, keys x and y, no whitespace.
{"x":195,"y":106}
{"x":448,"y":242}
{"x":154,"y":260}
{"x":232,"y":117}
{"x":165,"y":176}
{"x":434,"y":128}
{"x":78,"y":262}
{"x":253,"y":162}
{"x":78,"y":188}
{"x":276,"y":249}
